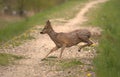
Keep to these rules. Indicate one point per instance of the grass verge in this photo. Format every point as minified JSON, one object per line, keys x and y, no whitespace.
{"x":107,"y":63}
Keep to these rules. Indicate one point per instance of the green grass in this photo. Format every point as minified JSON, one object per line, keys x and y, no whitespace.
{"x":70,"y":63}
{"x":107,"y":62}
{"x":6,"y":59}
{"x":3,"y":23}
{"x":63,"y":64}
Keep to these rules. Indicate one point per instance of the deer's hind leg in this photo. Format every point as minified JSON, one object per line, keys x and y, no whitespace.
{"x":86,"y":40}
{"x":62,"y":49}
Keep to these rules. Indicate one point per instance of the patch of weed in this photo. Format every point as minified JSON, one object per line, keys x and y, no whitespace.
{"x":107,"y":63}
{"x":6,"y":59}
{"x":70,"y":63}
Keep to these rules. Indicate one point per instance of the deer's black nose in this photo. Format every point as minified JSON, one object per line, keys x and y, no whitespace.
{"x":41,"y":32}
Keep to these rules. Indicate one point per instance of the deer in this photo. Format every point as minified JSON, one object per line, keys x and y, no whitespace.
{"x":63,"y":40}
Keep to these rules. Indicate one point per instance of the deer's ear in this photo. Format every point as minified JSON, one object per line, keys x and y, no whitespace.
{"x":48,"y":22}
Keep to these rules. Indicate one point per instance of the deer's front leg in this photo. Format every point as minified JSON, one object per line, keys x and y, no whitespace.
{"x":54,"y":49}
{"x":62,"y":49}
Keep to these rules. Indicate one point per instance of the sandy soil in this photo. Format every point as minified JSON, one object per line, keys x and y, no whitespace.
{"x":36,"y":49}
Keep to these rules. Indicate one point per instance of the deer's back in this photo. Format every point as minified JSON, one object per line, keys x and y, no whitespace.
{"x":71,"y":38}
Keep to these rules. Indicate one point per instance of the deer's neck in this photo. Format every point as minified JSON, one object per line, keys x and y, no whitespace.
{"x":52,"y":34}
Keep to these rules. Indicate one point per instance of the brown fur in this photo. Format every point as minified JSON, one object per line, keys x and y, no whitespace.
{"x":63,"y":40}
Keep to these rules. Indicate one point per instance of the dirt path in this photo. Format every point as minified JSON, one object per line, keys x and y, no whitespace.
{"x":36,"y":49}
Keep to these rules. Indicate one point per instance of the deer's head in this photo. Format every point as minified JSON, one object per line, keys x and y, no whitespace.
{"x":47,"y":28}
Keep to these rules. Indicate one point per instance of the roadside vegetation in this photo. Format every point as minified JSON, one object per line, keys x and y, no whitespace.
{"x":24,"y":7}
{"x":106,"y":16}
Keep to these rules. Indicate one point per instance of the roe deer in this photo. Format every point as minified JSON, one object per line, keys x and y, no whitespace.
{"x":63,"y":40}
